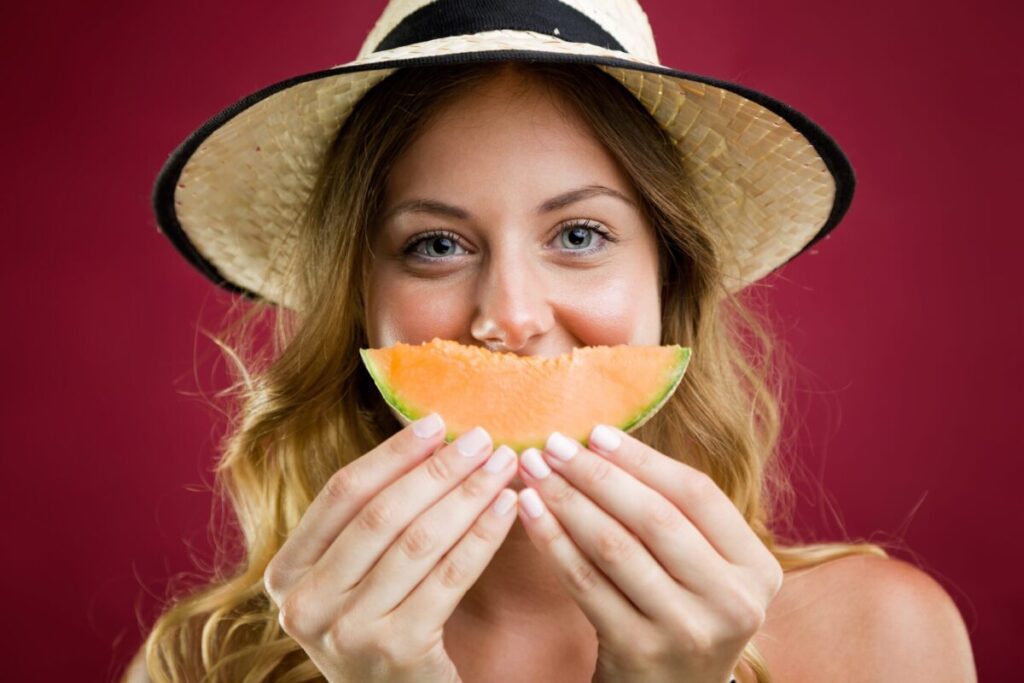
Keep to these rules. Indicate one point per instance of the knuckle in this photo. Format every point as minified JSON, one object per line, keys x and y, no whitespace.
{"x":583,"y":578}
{"x":614,"y":546}
{"x":647,"y":650}
{"x":376,"y":516}
{"x":418,"y":540}
{"x":662,"y":516}
{"x":438,"y":469}
{"x":745,"y":614}
{"x":681,"y":626}
{"x":390,"y":652}
{"x":778,"y":578}
{"x":756,"y":620}
{"x":690,"y":634}
{"x":698,"y":486}
{"x":679,"y":622}
{"x":699,"y":640}
{"x":562,"y":493}
{"x":451,"y":573}
{"x":750,"y":617}
{"x":474,"y":487}
{"x":638,"y":457}
{"x":417,"y":638}
{"x":343,"y":637}
{"x":294,"y":616}
{"x":382,"y":653}
{"x":599,"y":472}
{"x":549,"y":535}
{"x":484,"y":533}
{"x":342,"y":485}
{"x":273,"y":581}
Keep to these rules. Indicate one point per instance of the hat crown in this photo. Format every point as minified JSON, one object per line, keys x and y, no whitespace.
{"x":615,"y":24}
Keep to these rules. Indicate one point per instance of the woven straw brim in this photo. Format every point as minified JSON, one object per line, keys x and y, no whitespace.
{"x":229,"y":196}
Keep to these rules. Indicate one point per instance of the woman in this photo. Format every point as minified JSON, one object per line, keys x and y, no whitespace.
{"x":532,"y":208}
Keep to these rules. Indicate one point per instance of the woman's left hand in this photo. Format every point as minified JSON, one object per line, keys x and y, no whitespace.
{"x":659,"y":559}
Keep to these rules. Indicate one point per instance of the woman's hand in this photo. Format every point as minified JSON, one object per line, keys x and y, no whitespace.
{"x":364,"y":583}
{"x":662,"y":563}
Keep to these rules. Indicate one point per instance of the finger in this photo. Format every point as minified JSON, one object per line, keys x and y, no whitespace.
{"x":421,"y":545}
{"x":371,"y":532}
{"x":613,"y":548}
{"x":600,"y":600}
{"x":675,"y":542}
{"x":692,"y":491}
{"x":434,"y":601}
{"x":345,"y":493}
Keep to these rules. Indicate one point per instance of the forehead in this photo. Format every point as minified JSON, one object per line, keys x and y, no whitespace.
{"x":504,"y":141}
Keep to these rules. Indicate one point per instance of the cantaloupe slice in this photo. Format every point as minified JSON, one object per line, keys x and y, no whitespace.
{"x":520,"y":400}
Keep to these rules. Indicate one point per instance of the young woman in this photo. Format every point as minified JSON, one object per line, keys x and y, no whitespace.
{"x":532,"y":207}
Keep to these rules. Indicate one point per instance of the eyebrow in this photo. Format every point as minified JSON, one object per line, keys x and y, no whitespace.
{"x":553,"y":204}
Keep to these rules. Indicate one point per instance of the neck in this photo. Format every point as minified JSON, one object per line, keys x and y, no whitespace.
{"x":518,"y":615}
{"x":519,"y":593}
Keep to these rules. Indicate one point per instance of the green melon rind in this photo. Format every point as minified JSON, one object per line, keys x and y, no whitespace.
{"x":391,"y":398}
{"x":683,"y":354}
{"x":385,"y":389}
{"x":643,"y":415}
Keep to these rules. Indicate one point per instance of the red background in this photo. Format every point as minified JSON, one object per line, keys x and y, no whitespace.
{"x":907,"y":322}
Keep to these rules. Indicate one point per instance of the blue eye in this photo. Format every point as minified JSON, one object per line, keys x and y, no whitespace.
{"x":442,"y":239}
{"x":578,"y":234}
{"x":581,"y":232}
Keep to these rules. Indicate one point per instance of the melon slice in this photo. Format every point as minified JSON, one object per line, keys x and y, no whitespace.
{"x":520,"y":400}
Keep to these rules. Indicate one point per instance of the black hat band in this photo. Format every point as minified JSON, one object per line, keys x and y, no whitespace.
{"x":446,"y":18}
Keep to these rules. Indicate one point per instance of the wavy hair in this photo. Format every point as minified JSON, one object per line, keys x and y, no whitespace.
{"x":302,"y":405}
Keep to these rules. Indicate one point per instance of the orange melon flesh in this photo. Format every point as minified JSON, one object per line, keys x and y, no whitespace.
{"x":520,"y":400}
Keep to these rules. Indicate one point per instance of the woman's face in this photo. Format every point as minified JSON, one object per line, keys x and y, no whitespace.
{"x":520,"y":267}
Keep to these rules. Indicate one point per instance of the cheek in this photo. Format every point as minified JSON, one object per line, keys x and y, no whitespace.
{"x":604,"y":308}
{"x":614,"y":310}
{"x":411,"y":312}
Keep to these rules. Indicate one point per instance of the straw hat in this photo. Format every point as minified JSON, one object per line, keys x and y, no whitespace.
{"x":229,"y":195}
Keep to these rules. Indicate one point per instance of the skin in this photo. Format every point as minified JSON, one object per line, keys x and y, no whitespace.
{"x":510,"y":287}
{"x":510,"y":282}
{"x":515,"y":283}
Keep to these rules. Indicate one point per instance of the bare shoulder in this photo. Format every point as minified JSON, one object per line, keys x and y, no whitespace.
{"x":136,"y":671}
{"x":865,"y":618}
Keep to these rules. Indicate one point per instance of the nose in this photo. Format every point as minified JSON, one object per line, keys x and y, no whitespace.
{"x":512,"y":305}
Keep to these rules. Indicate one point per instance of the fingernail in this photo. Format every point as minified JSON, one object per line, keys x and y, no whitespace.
{"x":500,"y":459}
{"x":605,"y":438}
{"x":535,"y":464}
{"x":472,"y":442}
{"x":561,"y":446}
{"x":429,"y":426}
{"x":505,"y":501}
{"x":531,"y":501}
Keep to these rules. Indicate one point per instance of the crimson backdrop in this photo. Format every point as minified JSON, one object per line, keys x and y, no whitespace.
{"x":907,"y":321}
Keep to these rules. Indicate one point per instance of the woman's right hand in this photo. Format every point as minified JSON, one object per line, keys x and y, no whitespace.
{"x":368,"y":578}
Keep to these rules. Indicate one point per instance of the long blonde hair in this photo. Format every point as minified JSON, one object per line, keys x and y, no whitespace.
{"x":303,"y":405}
